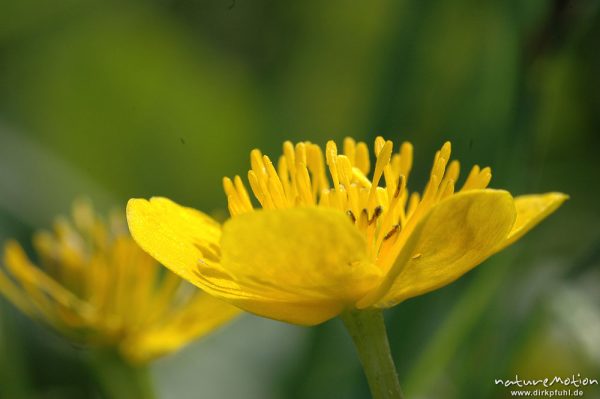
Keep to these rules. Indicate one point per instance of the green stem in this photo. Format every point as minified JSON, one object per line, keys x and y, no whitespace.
{"x":119,"y":379}
{"x":367,"y":329}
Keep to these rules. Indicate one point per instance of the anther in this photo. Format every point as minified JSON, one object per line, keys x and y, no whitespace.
{"x":399,"y":186}
{"x":363,"y":219}
{"x":364,"y":215}
{"x":391,"y":233}
{"x":351,"y":216}
{"x":376,"y":213}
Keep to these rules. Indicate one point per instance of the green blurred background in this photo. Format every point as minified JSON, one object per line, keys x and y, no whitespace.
{"x":120,"y":99}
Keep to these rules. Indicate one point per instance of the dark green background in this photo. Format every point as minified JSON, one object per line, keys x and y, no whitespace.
{"x":120,"y":99}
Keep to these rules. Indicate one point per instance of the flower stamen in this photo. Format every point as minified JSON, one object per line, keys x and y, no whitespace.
{"x":386,"y":216}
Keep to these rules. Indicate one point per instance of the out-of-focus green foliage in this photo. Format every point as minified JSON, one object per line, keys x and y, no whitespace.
{"x":117,"y":99}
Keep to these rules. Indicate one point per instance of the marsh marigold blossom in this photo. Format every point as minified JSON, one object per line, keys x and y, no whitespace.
{"x":336,"y":234}
{"x":97,"y":287}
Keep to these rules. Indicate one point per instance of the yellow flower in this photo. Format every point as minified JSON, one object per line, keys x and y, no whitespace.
{"x":317,"y":249}
{"x":98,"y":287}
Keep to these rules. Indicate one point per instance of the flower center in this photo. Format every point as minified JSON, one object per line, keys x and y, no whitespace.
{"x":381,"y":206}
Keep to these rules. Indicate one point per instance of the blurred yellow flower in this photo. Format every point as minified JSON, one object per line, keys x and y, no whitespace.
{"x":316,"y":250}
{"x":97,"y":287}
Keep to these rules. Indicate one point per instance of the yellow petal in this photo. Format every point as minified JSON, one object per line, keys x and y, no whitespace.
{"x":310,"y":258}
{"x":15,"y":295}
{"x":455,"y":236}
{"x":197,"y":318}
{"x":298,"y":252}
{"x":297,"y":310}
{"x":178,"y":237}
{"x":531,"y":210}
{"x":55,"y":302}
